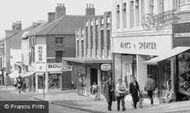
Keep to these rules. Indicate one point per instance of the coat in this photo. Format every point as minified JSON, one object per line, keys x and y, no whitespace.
{"x":134,"y":90}
{"x":109,"y":94}
{"x":150,"y":85}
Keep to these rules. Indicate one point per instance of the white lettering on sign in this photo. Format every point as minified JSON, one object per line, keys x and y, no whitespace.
{"x":140,"y":45}
{"x":106,"y":67}
{"x":54,"y":66}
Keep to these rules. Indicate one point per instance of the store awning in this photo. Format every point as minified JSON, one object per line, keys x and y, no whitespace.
{"x":14,"y":74}
{"x":26,"y":74}
{"x":167,"y":55}
{"x":87,"y":60}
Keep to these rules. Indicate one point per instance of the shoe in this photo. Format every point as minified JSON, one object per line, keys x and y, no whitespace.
{"x":124,"y":109}
{"x":109,"y":109}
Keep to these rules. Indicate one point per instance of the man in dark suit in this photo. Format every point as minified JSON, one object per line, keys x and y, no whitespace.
{"x":109,"y":92}
{"x":134,"y":90}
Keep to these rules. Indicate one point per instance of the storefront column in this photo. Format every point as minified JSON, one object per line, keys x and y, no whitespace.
{"x":46,"y":82}
{"x":117,"y":66}
{"x":99,"y":80}
{"x":36,"y":83}
{"x":141,"y":71}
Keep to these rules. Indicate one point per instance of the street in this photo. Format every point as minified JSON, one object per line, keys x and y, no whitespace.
{"x":9,"y":95}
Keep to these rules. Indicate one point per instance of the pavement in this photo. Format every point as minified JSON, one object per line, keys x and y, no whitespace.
{"x":71,"y":99}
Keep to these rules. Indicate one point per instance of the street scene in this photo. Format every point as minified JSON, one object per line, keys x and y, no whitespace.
{"x":94,"y":56}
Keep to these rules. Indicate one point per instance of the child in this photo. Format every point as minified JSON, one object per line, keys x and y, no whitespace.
{"x":141,"y":99}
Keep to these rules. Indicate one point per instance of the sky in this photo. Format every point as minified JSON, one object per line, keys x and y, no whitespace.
{"x":28,"y":11}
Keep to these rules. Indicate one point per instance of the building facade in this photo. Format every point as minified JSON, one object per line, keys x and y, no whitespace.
{"x":48,"y":44}
{"x":142,"y":30}
{"x":93,"y":51}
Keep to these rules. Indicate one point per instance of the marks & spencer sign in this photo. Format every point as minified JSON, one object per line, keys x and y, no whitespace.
{"x":145,"y":45}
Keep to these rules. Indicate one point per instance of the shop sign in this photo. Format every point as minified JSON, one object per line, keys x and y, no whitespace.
{"x":67,"y":68}
{"x":145,"y":45}
{"x":40,"y":57}
{"x":54,"y":66}
{"x":159,"y":21}
{"x":106,"y":67}
{"x":181,"y":35}
{"x":81,"y":70}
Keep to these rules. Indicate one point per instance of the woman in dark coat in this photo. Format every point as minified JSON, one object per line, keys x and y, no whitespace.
{"x":109,"y":92}
{"x":134,"y":90}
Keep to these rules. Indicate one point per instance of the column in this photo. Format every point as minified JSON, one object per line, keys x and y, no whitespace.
{"x":141,"y":71}
{"x":134,"y":7}
{"x":36,"y":83}
{"x":99,"y":80}
{"x":46,"y":82}
{"x":117,"y":66}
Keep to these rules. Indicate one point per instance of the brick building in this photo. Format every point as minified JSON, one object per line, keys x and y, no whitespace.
{"x":49,"y":43}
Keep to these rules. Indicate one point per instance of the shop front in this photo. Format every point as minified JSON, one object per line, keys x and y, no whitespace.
{"x":131,"y":52}
{"x":54,"y":75}
{"x":88,"y":72}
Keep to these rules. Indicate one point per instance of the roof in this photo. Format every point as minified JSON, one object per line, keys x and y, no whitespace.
{"x":87,"y":60}
{"x":63,"y":25}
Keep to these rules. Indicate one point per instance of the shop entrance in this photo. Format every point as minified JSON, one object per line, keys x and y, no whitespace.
{"x":54,"y":81}
{"x":66,"y":80}
{"x":93,"y":76}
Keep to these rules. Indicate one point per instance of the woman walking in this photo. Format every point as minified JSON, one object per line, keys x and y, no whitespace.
{"x":134,"y":90}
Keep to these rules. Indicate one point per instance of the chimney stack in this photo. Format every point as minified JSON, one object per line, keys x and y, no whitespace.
{"x":60,"y":10}
{"x":17,"y":25}
{"x":51,"y":16}
{"x":90,"y":10}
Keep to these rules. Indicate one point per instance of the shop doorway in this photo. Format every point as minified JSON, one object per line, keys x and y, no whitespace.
{"x":66,"y":80}
{"x":93,"y":76}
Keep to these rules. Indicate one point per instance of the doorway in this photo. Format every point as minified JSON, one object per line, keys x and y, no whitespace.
{"x":93,"y":76}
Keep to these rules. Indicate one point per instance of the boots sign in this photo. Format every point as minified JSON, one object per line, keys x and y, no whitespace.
{"x":54,"y":67}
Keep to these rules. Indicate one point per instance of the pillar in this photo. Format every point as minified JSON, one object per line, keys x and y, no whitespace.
{"x":141,"y":71}
{"x":36,"y":83}
{"x":99,"y":80}
{"x":46,"y":82}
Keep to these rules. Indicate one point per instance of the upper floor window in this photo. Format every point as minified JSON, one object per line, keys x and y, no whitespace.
{"x":124,"y":15}
{"x":183,"y":4}
{"x":137,"y":12}
{"x":151,"y":7}
{"x":59,"y":56}
{"x":161,"y":6}
{"x":59,"y":40}
{"x":132,"y":13}
{"x":118,"y":16}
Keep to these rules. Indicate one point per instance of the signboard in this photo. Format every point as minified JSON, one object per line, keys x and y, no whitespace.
{"x":67,"y":68}
{"x":106,"y":67}
{"x":54,"y":67}
{"x":40,"y":57}
{"x":159,"y":21}
{"x":145,"y":45}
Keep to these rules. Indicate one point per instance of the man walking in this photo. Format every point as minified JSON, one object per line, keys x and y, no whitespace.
{"x":150,"y":87}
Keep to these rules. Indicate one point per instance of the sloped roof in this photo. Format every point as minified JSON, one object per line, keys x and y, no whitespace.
{"x":63,"y":25}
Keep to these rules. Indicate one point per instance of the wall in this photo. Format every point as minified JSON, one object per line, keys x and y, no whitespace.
{"x":68,"y":46}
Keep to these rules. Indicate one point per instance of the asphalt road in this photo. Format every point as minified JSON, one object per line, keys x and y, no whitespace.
{"x":8,"y":95}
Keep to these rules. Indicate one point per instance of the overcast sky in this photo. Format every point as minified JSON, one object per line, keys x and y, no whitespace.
{"x":29,"y":11}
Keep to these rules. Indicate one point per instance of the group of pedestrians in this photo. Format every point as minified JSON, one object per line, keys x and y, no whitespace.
{"x":118,"y":92}
{"x":20,"y":84}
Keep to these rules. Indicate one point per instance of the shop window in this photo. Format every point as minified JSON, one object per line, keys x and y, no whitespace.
{"x":184,"y":75}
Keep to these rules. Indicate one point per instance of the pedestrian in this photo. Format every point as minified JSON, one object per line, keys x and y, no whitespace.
{"x":19,"y":84}
{"x":150,"y":87}
{"x":109,"y":92}
{"x":134,"y":90}
{"x":121,"y":91}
